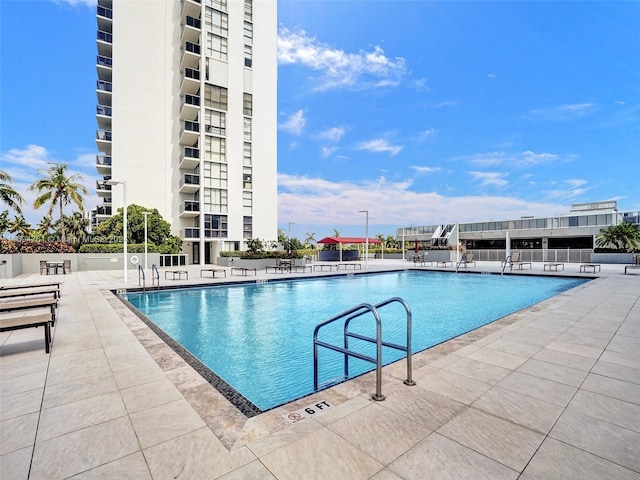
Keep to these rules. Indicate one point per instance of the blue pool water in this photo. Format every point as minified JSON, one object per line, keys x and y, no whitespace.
{"x":259,"y":337}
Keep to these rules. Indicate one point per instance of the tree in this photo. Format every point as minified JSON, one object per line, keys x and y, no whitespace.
{"x":624,"y":236}
{"x":45,"y":226}
{"x":336,"y":233}
{"x":8,"y":195}
{"x":76,"y":227}
{"x":391,"y":242}
{"x":4,"y":221}
{"x":20,"y":226}
{"x":58,"y":189}
{"x":311,"y":238}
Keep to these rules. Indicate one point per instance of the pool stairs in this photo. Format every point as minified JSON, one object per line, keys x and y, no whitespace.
{"x":347,"y":316}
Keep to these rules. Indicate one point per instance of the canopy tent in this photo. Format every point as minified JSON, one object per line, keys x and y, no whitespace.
{"x":349,"y":241}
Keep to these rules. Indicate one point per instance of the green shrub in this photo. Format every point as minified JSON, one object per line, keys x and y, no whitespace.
{"x":27,"y":246}
{"x":118,"y":248}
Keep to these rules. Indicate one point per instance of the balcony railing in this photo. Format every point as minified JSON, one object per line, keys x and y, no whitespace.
{"x":190,"y":206}
{"x":103,"y":186}
{"x":104,"y":86}
{"x":192,"y":47}
{"x":105,"y":61}
{"x":191,"y":152}
{"x":191,"y":232}
{"x":192,"y":73}
{"x":103,"y":135}
{"x":108,"y":37}
{"x":193,"y":22}
{"x":103,"y":110}
{"x":191,"y":179}
{"x":103,"y":160}
{"x":105,"y":12}
{"x":192,"y":100}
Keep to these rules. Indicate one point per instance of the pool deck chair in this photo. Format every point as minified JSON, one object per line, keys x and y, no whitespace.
{"x":631,"y":267}
{"x":553,"y":265}
{"x":589,"y":266}
{"x":466,"y":260}
{"x":213,"y":272}
{"x":516,"y":261}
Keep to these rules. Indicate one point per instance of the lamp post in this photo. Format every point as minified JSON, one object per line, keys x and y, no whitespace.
{"x":124,"y":219}
{"x":366,"y":238}
{"x":289,"y":229}
{"x":145,"y":238}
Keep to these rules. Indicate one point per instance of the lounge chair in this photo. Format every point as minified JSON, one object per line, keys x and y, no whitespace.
{"x":467,"y":259}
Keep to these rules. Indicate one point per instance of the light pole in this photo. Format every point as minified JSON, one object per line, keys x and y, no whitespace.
{"x":366,"y":238}
{"x":124,"y":219}
{"x":289,"y":229}
{"x":145,"y":238}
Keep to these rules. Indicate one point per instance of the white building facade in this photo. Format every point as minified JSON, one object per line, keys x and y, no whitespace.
{"x":187,"y":117}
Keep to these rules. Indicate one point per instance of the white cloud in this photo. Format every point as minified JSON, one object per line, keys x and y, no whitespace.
{"x":322,"y":205}
{"x":527,"y":158}
{"x":337,"y":67}
{"x":294,"y":124}
{"x":564,"y":112}
{"x":328,"y":151}
{"x":447,"y":103}
{"x":487,"y":179}
{"x":379,"y":145}
{"x":88,"y":3}
{"x":425,"y":169}
{"x":576,"y":182}
{"x":429,"y":132}
{"x":334,"y":134}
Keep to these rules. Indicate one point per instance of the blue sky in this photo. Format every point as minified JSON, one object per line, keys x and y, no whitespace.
{"x":419,"y":112}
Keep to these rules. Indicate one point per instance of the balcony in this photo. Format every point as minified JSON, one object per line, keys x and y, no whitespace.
{"x":191,"y":8}
{"x":190,"y":56}
{"x":103,"y":211}
{"x":189,"y":208}
{"x":189,"y":183}
{"x":103,"y":115}
{"x":105,"y":43}
{"x":190,"y":133}
{"x":103,"y":92}
{"x":190,"y":107}
{"x":190,"y":82}
{"x":103,"y":164}
{"x":191,"y":30}
{"x":104,"y":67}
{"x":104,"y":16}
{"x":103,"y":190}
{"x":190,"y":158}
{"x":189,"y":233}
{"x":103,"y":141}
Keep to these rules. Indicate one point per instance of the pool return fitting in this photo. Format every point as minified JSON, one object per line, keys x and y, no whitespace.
{"x":347,"y":316}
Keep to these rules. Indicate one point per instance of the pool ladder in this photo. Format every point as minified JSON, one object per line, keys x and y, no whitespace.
{"x":351,"y":314}
{"x":143,"y":280}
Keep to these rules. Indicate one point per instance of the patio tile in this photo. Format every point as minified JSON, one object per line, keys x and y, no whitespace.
{"x":498,"y":439}
{"x":625,"y":345}
{"x":478,"y":370}
{"x":565,"y":359}
{"x":138,"y":375}
{"x":386,"y":474}
{"x":459,"y":388}
{"x":254,"y":471}
{"x":80,"y":389}
{"x":73,"y":416}
{"x":131,"y":467}
{"x":540,"y":388}
{"x":627,"y":391}
{"x":322,"y":455}
{"x":521,"y":409}
{"x":623,"y":359}
{"x":555,"y":460}
{"x":498,"y":358}
{"x":608,"y":409}
{"x":379,"y":432}
{"x":583,"y":351}
{"x":18,"y":432}
{"x":438,"y":457}
{"x":16,"y":464}
{"x":158,"y":424}
{"x":23,"y":383}
{"x":423,"y":406}
{"x":82,"y":367}
{"x":509,"y":345}
{"x":620,"y":372}
{"x":77,"y":452}
{"x":197,"y":454}
{"x":283,"y":437}
{"x":553,"y":372}
{"x":20,"y":403}
{"x":25,"y":366}
{"x":150,"y":395}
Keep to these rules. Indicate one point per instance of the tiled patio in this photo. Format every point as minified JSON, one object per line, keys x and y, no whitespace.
{"x":550,"y":392}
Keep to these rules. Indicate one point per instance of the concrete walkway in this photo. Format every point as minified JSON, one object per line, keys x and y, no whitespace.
{"x":551,"y":392}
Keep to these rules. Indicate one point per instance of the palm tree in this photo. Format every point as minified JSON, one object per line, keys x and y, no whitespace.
{"x":336,"y":233}
{"x":391,"y":242}
{"x":8,"y":195}
{"x":4,"y":221}
{"x":45,"y":226}
{"x":20,"y":226}
{"x":59,"y":189}
{"x":311,"y":237}
{"x":624,"y":236}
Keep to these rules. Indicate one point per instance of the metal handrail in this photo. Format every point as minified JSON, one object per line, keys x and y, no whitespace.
{"x":351,"y":314}
{"x":506,"y":262}
{"x":141,"y":276}
{"x":155,"y":276}
{"x":463,"y":258}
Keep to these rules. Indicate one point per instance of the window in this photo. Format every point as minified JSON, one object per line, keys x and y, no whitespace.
{"x":247,"y":203}
{"x":216,"y":122}
{"x":216,"y":46}
{"x":215,"y":226}
{"x":246,"y":154}
{"x":217,"y":4}
{"x":215,"y":200}
{"x":248,"y":10}
{"x":217,"y":22}
{"x":215,"y":97}
{"x":248,"y":56}
{"x":247,"y":104}
{"x":247,"y":129}
{"x":248,"y":33}
{"x":215,"y":149}
{"x":247,"y":227}
{"x":246,"y":178}
{"x":215,"y":175}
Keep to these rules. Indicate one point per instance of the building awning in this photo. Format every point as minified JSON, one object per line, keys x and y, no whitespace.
{"x":349,"y":240}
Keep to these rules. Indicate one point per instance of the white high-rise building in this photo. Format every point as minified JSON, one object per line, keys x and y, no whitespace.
{"x":187,"y":117}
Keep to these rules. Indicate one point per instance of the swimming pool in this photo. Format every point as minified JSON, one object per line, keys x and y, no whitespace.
{"x":258,"y":337}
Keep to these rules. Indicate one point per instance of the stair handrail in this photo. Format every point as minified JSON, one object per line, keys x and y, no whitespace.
{"x":155,"y":276}
{"x":141,"y":277}
{"x":506,"y":262}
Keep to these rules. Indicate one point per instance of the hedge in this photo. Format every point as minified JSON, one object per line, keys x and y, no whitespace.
{"x":27,"y":246}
